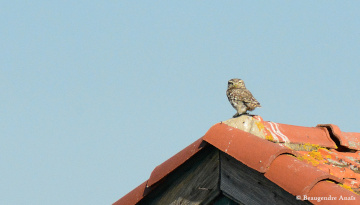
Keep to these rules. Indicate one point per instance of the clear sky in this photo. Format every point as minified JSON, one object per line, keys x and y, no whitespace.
{"x":96,"y":94}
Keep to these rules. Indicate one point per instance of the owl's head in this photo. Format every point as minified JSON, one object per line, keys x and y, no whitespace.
{"x":236,"y":83}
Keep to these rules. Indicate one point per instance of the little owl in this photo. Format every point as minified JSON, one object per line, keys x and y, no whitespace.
{"x":240,"y":97}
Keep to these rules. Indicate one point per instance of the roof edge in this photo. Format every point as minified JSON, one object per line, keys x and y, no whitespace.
{"x":133,"y":196}
{"x":175,"y":161}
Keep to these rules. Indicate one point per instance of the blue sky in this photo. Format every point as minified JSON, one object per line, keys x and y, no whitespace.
{"x":94,"y":95}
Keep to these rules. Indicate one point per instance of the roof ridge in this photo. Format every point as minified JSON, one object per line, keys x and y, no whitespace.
{"x":244,"y":146}
{"x":301,"y":160}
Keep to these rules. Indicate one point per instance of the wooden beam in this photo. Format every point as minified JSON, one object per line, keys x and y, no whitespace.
{"x":248,"y":186}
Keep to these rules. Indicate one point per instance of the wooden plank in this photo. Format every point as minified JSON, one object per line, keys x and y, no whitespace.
{"x":223,"y":200}
{"x":194,"y":182}
{"x":247,"y":186}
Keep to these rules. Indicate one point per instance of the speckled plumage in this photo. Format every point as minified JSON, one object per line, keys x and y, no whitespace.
{"x":240,"y":97}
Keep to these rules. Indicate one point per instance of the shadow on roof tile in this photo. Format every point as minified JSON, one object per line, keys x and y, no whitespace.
{"x":245,"y":147}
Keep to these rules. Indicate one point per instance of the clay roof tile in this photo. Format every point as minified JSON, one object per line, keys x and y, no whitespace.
{"x":350,"y":140}
{"x":171,"y":164}
{"x":245,"y":147}
{"x":299,"y":135}
{"x":295,"y":176}
{"x":304,"y":172}
{"x":327,"y":192}
{"x":132,"y":197}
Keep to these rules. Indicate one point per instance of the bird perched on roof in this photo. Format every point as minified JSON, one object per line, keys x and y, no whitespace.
{"x":240,"y":97}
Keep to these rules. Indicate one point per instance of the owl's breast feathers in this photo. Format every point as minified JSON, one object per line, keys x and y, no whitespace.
{"x":242,"y":95}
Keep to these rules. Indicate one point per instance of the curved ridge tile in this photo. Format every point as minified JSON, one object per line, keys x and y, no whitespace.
{"x":338,"y":194}
{"x":244,"y":146}
{"x":299,"y":135}
{"x":171,"y":164}
{"x":295,"y":176}
{"x":350,"y":140}
{"x":133,"y":196}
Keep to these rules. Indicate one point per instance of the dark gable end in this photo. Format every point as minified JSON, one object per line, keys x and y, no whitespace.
{"x":213,"y":177}
{"x":197,"y":180}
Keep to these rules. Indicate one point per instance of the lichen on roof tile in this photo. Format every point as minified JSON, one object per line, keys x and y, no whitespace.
{"x":248,"y":124}
{"x":295,"y":137}
{"x":335,"y":164}
{"x":295,"y":176}
{"x":351,"y":140}
{"x":336,"y":191}
{"x":316,"y":161}
{"x":314,"y":145}
{"x":245,"y":147}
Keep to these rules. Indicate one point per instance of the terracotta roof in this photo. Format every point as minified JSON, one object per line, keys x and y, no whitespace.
{"x":169,"y":165}
{"x":309,"y":162}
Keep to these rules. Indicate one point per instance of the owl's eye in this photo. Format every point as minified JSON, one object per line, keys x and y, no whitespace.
{"x":230,"y":83}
